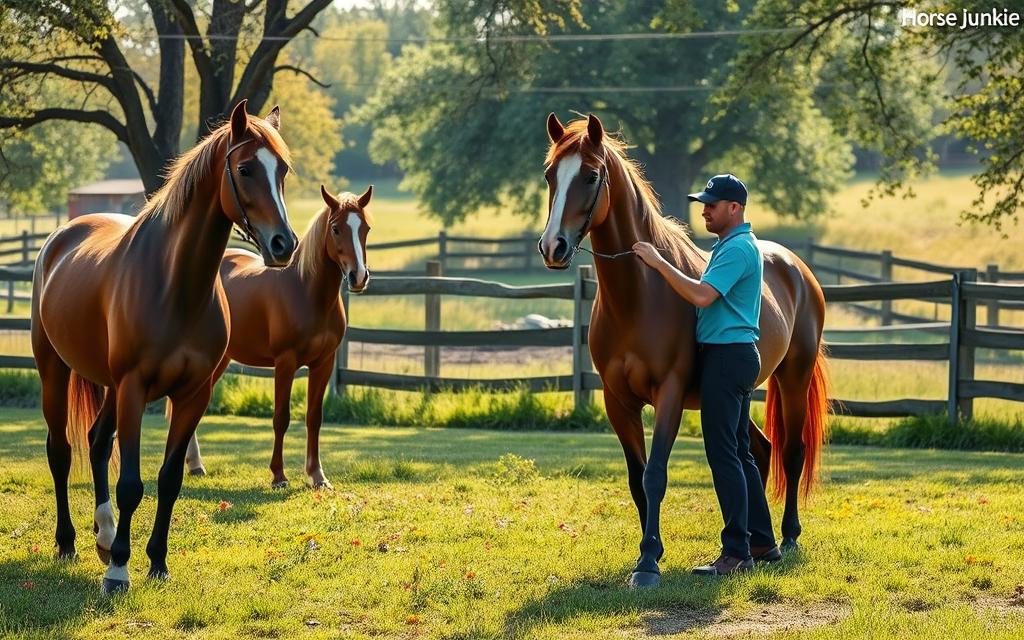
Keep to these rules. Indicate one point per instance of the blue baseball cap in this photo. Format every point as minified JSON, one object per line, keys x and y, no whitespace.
{"x":722,"y":187}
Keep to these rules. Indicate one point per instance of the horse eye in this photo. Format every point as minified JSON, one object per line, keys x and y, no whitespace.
{"x":334,"y":229}
{"x":243,"y":170}
{"x":592,"y":178}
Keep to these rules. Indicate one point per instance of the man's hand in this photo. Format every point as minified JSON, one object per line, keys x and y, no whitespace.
{"x":646,"y":252}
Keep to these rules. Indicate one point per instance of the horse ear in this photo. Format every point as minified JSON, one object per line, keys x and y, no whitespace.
{"x":274,"y":117}
{"x":555,"y":128}
{"x":239,"y":121}
{"x":331,"y":201}
{"x":365,"y":198}
{"x":595,"y":130}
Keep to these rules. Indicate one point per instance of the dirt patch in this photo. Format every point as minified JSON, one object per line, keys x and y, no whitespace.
{"x":756,"y":622}
{"x":1013,"y":605}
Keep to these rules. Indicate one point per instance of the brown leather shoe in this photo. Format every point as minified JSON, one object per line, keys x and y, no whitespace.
{"x":724,"y":566}
{"x":766,"y":554}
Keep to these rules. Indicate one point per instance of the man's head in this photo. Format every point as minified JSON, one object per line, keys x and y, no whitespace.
{"x":724,"y":199}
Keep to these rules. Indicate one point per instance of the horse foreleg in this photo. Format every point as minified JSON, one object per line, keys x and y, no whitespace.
{"x":668,"y":411}
{"x":186,"y":416}
{"x":131,"y":402}
{"x":794,"y":414}
{"x":628,"y":426}
{"x":284,"y":375}
{"x":319,"y":376}
{"x":101,"y":445}
{"x":193,"y":456}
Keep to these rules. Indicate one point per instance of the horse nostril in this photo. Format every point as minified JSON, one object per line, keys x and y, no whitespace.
{"x":280,"y":246}
{"x":352,"y":279}
{"x":561,"y":247}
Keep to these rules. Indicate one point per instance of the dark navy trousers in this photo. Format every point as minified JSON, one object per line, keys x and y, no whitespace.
{"x":727,"y":376}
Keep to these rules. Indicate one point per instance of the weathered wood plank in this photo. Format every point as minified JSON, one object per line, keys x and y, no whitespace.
{"x":886,"y":291}
{"x":557,"y":337}
{"x":869,"y":351}
{"x":1013,"y":391}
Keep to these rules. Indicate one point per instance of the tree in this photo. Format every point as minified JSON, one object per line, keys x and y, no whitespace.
{"x":87,"y":42}
{"x":895,"y":60}
{"x":463,"y":119}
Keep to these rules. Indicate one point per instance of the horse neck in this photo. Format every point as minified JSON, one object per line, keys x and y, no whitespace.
{"x":195,"y":240}
{"x":324,"y":284}
{"x":624,"y":281}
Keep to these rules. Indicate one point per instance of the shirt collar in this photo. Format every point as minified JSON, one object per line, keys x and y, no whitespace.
{"x":743,"y":228}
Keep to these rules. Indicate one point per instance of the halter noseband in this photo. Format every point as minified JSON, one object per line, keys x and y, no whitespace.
{"x":248,"y":233}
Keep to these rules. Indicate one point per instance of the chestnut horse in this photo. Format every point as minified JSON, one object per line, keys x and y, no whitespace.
{"x":643,"y":334}
{"x":135,"y":306}
{"x":292,"y":317}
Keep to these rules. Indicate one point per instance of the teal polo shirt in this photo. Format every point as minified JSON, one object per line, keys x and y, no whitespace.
{"x":735,"y":271}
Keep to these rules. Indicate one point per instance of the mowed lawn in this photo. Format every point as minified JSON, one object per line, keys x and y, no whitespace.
{"x":481,"y":534}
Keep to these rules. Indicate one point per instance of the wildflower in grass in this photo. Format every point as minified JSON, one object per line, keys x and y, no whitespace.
{"x":224,"y":506}
{"x":356,"y":542}
{"x":983,"y":500}
{"x":413,"y":619}
{"x":28,"y":585}
{"x":470,"y":575}
{"x":35,"y":548}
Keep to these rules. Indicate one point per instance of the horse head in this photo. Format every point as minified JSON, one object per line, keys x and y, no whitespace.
{"x":577,"y":197}
{"x":252,"y":188}
{"x":347,"y":227}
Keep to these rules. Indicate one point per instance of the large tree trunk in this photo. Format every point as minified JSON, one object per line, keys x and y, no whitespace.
{"x":672,"y":175}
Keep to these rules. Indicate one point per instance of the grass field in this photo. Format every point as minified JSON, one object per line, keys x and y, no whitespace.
{"x":473,"y":534}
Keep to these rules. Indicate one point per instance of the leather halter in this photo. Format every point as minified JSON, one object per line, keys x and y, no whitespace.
{"x":248,"y":233}
{"x":590,"y":215}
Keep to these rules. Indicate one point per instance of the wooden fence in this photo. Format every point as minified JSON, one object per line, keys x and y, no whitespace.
{"x":963,"y":337}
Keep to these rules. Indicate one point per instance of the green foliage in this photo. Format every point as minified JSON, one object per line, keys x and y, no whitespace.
{"x":465,"y":122}
{"x":936,"y":432}
{"x":514,"y":470}
{"x":884,"y":81}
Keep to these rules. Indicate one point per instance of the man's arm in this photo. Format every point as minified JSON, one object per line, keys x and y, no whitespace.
{"x":697,"y":293}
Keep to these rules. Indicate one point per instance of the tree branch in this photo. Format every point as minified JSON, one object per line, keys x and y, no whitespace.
{"x":102,"y":118}
{"x":28,"y":68}
{"x":302,"y":72}
{"x":187,"y":21}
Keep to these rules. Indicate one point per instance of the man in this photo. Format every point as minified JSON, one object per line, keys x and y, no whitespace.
{"x":728,"y":301}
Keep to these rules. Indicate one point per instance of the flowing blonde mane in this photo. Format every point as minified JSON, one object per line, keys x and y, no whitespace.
{"x":666,"y":233}
{"x":192,"y":167}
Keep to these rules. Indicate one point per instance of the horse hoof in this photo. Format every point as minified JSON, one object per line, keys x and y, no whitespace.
{"x":66,"y":555}
{"x":644,"y":580}
{"x":788,"y":545}
{"x":161,"y":574}
{"x":279,"y":484}
{"x":104,"y":554}
{"x":111,"y":586}
{"x":197,"y":472}
{"x":323,"y":484}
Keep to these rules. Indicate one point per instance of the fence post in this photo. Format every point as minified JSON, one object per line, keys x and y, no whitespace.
{"x":337,"y":386}
{"x":10,"y":296}
{"x":529,"y":246}
{"x":442,"y":250}
{"x":808,"y":257}
{"x":885,"y":265}
{"x":992,"y":306}
{"x":581,"y":362}
{"x":24,"y":248}
{"x":432,"y":354}
{"x":953,"y":392}
{"x":968,"y":321}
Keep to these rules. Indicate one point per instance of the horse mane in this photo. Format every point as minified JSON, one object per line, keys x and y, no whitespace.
{"x":189,"y":170}
{"x":309,"y":255}
{"x":666,"y":233}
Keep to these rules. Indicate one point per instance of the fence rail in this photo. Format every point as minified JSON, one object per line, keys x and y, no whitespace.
{"x":960,"y":292}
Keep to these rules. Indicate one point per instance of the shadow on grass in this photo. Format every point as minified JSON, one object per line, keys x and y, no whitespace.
{"x":682,"y":603}
{"x":41,"y":593}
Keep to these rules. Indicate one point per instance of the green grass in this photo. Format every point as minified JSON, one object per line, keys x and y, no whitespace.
{"x":482,"y":534}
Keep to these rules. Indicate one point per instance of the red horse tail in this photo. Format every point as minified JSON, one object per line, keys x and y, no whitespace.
{"x":814,"y":431}
{"x":84,"y":400}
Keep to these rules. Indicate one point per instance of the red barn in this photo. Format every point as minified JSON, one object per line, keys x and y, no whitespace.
{"x":107,"y":196}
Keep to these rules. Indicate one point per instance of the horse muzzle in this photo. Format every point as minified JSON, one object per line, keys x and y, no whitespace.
{"x":557,"y":252}
{"x":352,"y":279}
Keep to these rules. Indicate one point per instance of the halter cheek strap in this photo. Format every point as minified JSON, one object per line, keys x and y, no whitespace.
{"x":590,"y":214}
{"x":247,"y":230}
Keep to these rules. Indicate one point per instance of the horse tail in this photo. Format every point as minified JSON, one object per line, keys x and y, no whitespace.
{"x":813,"y":434}
{"x":816,"y":423}
{"x":774,"y":429}
{"x":84,"y":401}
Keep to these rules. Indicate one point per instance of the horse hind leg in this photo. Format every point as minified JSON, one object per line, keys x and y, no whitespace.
{"x":793,"y":390}
{"x":54,"y":378}
{"x":193,"y":456}
{"x":761,"y":448}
